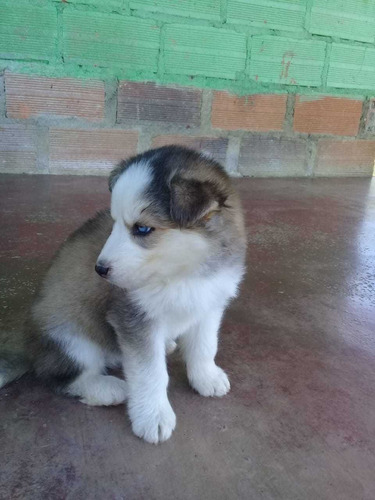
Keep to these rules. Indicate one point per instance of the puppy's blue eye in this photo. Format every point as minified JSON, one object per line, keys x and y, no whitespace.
{"x":142,"y":230}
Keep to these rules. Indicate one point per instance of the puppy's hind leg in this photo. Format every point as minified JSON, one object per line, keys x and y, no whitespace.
{"x":92,"y":386}
{"x":76,"y":366}
{"x":98,"y":390}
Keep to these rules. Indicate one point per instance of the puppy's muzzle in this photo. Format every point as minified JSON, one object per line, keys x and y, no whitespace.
{"x":101,"y":269}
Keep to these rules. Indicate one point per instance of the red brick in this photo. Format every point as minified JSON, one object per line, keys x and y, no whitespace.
{"x":89,"y":151}
{"x":370,"y":118}
{"x":252,"y":112}
{"x":215,"y":146}
{"x":18,"y":149}
{"x":273,"y":157}
{"x":345,"y":158}
{"x":31,"y":96}
{"x":148,"y":101}
{"x":327,"y":115}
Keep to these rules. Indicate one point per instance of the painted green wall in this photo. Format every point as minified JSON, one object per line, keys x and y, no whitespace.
{"x":245,"y":46}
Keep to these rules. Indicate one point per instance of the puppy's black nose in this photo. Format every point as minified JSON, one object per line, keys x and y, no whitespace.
{"x":101,"y":270}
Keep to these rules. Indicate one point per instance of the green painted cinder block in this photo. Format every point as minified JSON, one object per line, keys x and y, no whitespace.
{"x":353,"y":20}
{"x":102,"y":4}
{"x":27,"y":32}
{"x":197,"y":50}
{"x":287,"y":15}
{"x":351,"y":67}
{"x":198,"y":9}
{"x":110,"y":40}
{"x":281,"y":60}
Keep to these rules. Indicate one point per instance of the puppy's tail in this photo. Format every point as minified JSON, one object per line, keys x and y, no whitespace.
{"x":13,"y":360}
{"x":11,"y":369}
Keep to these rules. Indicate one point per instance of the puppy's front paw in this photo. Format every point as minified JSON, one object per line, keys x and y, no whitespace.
{"x":152,"y":422}
{"x":210,"y":381}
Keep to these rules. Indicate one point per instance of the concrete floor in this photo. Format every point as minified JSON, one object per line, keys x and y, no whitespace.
{"x":299,"y":345}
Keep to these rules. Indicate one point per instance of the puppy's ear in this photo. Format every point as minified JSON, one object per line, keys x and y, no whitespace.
{"x":192,"y":200}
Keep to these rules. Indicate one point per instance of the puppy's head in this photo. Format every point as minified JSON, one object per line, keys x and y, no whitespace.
{"x":167,"y":206}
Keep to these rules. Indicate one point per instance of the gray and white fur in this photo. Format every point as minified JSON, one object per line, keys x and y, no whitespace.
{"x":169,"y":256}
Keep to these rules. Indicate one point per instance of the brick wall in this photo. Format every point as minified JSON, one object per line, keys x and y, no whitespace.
{"x":242,"y":46}
{"x":282,"y":87}
{"x":74,"y":126}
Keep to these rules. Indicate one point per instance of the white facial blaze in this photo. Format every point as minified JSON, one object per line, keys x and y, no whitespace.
{"x":123,"y":256}
{"x":128,"y":198}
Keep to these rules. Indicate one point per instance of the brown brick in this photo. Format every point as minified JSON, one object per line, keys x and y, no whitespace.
{"x":327,"y":115}
{"x":370,"y":118}
{"x":215,"y":146}
{"x":345,"y":158}
{"x":18,"y":150}
{"x":148,"y":101}
{"x":252,"y":112}
{"x":89,"y":151}
{"x":271,"y":157}
{"x":30,"y":96}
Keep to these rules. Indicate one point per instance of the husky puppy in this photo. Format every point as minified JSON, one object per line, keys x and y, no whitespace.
{"x":168,"y":258}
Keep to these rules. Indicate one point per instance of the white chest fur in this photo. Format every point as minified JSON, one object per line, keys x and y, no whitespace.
{"x":178,"y":305}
